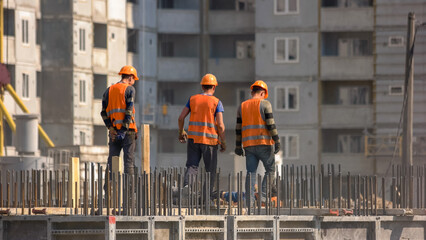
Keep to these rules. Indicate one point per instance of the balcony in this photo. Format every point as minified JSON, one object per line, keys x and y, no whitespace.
{"x":226,"y":22}
{"x":97,"y":108}
{"x":351,"y":68}
{"x":99,"y":11}
{"x":350,"y":116}
{"x":9,"y":47}
{"x":356,"y":163}
{"x":224,"y":69}
{"x":178,"y":21}
{"x":100,"y":61}
{"x":347,"y":19}
{"x":180,"y":69}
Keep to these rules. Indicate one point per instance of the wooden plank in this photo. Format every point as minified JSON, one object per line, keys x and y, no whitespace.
{"x":145,"y":144}
{"x":74,"y":171}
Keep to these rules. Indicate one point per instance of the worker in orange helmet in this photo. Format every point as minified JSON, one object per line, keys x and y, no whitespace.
{"x":118,"y":113}
{"x":206,"y":130}
{"x":256,"y":132}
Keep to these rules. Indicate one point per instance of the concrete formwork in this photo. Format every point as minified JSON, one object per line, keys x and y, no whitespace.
{"x":212,"y":227}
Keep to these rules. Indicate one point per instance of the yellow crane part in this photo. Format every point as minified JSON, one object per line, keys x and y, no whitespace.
{"x":9,"y":119}
{"x":25,"y":109}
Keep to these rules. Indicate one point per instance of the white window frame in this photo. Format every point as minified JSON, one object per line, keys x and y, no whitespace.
{"x":286,"y":95}
{"x":402,"y":44}
{"x":82,"y":40}
{"x":82,"y":137}
{"x":25,"y":38}
{"x":396,"y":86}
{"x":286,"y":60}
{"x":286,"y":147}
{"x":286,"y":12}
{"x":82,"y":91}
{"x":25,"y":86}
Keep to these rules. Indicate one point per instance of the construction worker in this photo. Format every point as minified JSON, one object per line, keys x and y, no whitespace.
{"x":205,"y":130}
{"x":257,"y":133}
{"x":118,"y":113}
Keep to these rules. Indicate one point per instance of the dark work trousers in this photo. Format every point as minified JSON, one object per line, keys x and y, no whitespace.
{"x":194,"y":153}
{"x":128,"y":144}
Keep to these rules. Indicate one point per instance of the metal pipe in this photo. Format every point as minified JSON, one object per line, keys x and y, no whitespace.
{"x":25,"y":110}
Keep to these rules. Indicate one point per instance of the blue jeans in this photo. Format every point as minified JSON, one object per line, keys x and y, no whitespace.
{"x":254,"y":154}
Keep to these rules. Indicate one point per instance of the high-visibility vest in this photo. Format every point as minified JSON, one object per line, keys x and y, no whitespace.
{"x":202,"y":126}
{"x":254,"y":131}
{"x":116,"y":109}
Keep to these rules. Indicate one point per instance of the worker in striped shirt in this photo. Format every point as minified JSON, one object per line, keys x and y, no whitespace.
{"x":257,"y":134}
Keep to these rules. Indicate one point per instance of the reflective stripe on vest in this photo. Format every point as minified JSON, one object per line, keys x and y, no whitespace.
{"x":254,"y":131}
{"x":201,"y":127}
{"x":116,"y":109}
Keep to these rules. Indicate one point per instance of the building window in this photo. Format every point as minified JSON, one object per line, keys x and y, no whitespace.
{"x":244,"y":5}
{"x":287,"y":98}
{"x":25,"y":31}
{"x":25,"y":86}
{"x":82,"y":91}
{"x":82,"y":40}
{"x":350,"y":143}
{"x":132,"y":40}
{"x":244,"y":49}
{"x":396,"y":41}
{"x":82,"y":138}
{"x":354,"y":95}
{"x":349,"y":47}
{"x":290,"y":146}
{"x":283,"y":7}
{"x":396,"y":90}
{"x":286,"y":50}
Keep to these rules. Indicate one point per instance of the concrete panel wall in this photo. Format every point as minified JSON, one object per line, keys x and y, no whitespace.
{"x":60,"y":134}
{"x":82,"y":53}
{"x":82,"y":8}
{"x":100,"y":60}
{"x":82,"y":108}
{"x":148,"y":56}
{"x":306,"y":18}
{"x":25,"y":52}
{"x":88,"y":133}
{"x":356,"y":163}
{"x":350,"y":19}
{"x":178,"y":69}
{"x":349,"y":68}
{"x":57,"y":47}
{"x":232,"y":69}
{"x":117,"y":10}
{"x":231,"y":22}
{"x":307,"y":140}
{"x":265,"y":48}
{"x":178,"y":21}
{"x":353,"y":116}
{"x":99,"y":14}
{"x":96,"y":112}
{"x":30,"y":102}
{"x":148,"y":18}
{"x":117,"y":48}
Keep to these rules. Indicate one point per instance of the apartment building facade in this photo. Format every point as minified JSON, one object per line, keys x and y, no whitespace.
{"x":335,"y":70}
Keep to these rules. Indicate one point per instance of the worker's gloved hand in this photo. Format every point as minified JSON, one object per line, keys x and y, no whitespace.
{"x":223,"y":146}
{"x":183,"y":136}
{"x":121,"y":134}
{"x":277,"y":147}
{"x":239,"y":151}
{"x":112,"y":133}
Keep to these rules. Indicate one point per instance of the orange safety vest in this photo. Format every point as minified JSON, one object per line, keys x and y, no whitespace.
{"x":202,"y":126}
{"x":116,"y":109}
{"x":254,"y":130}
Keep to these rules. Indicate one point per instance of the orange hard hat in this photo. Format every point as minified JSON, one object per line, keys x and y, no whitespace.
{"x":209,"y":79}
{"x":261,"y":84}
{"x":129,"y":70}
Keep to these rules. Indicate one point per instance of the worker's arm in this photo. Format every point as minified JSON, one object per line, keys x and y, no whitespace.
{"x":238,"y":147}
{"x":107,"y":120}
{"x":270,"y":124}
{"x":130,"y":102}
{"x":181,"y":121}
{"x":221,"y":130}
